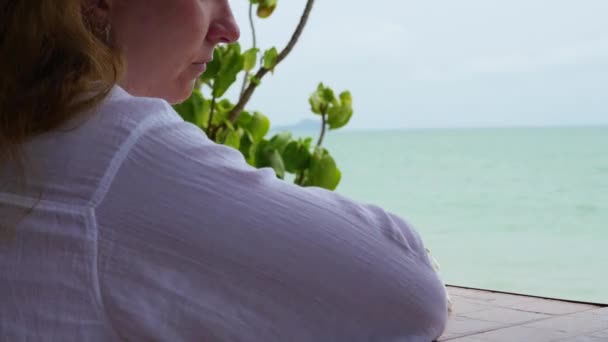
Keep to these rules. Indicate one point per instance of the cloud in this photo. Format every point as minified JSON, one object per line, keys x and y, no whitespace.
{"x":380,"y":40}
{"x":584,"y":52}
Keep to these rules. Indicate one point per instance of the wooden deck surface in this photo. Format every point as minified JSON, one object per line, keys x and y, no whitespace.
{"x":485,"y":316}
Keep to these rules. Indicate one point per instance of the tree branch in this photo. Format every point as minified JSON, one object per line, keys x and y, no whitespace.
{"x":246,"y":96}
{"x":298,"y":32}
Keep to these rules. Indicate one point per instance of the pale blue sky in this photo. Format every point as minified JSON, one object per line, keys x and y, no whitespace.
{"x":441,"y":63}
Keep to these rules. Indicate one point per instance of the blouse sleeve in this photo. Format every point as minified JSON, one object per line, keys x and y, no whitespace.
{"x":195,"y":244}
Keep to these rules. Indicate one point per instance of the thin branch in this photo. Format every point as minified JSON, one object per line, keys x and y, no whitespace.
{"x":211,"y":112}
{"x":299,"y":177}
{"x":253,"y":35}
{"x":246,"y":96}
{"x":323,"y":126}
{"x":251,"y":23}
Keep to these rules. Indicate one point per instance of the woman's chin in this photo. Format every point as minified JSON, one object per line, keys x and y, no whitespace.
{"x":181,"y":93}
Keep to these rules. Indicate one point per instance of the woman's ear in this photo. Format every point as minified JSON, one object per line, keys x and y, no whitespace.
{"x":97,"y":8}
{"x":97,"y":15}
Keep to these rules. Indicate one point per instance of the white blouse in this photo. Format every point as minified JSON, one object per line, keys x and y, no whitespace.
{"x":144,"y":229}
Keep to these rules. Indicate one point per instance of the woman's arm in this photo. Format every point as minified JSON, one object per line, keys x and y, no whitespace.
{"x":195,"y":244}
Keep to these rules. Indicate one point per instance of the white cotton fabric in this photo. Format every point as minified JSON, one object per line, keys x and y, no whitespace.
{"x":147,"y":230}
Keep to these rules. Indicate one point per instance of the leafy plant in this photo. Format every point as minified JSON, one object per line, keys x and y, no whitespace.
{"x":231,"y":124}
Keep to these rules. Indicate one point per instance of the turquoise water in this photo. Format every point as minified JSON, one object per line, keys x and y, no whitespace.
{"x":516,"y":209}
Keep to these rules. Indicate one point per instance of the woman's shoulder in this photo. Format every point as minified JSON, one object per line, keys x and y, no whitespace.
{"x":123,"y":109}
{"x":119,"y":117}
{"x":96,"y":143}
{"x":118,"y":123}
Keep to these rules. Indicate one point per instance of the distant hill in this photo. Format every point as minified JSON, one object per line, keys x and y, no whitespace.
{"x":302,"y":125}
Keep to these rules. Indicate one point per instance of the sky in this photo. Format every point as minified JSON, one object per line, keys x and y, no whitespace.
{"x":425,"y":64}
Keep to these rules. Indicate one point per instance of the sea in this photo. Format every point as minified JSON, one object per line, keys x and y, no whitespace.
{"x":521,"y":210}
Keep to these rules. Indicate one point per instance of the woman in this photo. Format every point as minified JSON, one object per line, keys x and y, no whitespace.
{"x":144,"y":229}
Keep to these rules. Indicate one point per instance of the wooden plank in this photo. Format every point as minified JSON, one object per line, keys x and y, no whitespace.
{"x":493,"y":316}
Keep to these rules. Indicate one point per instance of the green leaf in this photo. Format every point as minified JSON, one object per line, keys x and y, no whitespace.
{"x":203,"y":120}
{"x":258,"y":126}
{"x":339,"y":116}
{"x":346,"y":99}
{"x":244,"y":119}
{"x":339,"y":110}
{"x":213,"y":67}
{"x":266,"y":156}
{"x":250,"y":58}
{"x":261,"y":152}
{"x":268,"y":2}
{"x":222,"y":108}
{"x":229,"y":125}
{"x":270,"y":58}
{"x":233,"y":139}
{"x":296,"y":156}
{"x":323,"y":171}
{"x":279,"y":141}
{"x":245,"y":146}
{"x":328,"y":96}
{"x":195,"y":109}
{"x":255,"y":80}
{"x":185,"y":110}
{"x":231,"y":64}
{"x":319,"y":100}
{"x":276,"y":162}
{"x":306,"y":142}
{"x":316,"y":103}
{"x":266,"y":7}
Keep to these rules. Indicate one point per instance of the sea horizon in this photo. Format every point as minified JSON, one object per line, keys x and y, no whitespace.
{"x":317,"y":127}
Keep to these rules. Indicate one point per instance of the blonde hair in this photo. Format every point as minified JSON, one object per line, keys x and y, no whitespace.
{"x":51,"y":53}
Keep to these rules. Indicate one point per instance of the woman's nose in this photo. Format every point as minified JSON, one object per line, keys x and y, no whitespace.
{"x":224,"y":29}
